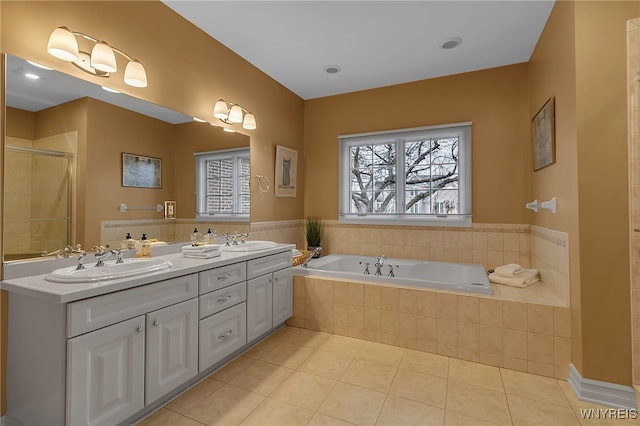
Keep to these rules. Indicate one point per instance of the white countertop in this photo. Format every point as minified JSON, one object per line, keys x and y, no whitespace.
{"x":36,"y":286}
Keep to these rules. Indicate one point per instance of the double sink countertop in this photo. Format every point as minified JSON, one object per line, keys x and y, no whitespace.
{"x":52,"y":292}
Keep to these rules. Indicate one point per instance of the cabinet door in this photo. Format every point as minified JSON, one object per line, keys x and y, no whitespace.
{"x":259,"y":306}
{"x":221,"y":335}
{"x":172,"y":348}
{"x":105,"y":374}
{"x":282,"y":296}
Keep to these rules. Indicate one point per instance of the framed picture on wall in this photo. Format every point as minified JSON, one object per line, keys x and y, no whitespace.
{"x":141,"y":172}
{"x":286,"y":171}
{"x":544,"y":136}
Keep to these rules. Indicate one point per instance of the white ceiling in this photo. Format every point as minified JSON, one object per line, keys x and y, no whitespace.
{"x":376,"y":43}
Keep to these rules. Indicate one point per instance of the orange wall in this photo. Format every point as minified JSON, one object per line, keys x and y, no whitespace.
{"x":188,"y":139}
{"x":495,"y":100}
{"x":552,"y":73}
{"x":20,"y":124}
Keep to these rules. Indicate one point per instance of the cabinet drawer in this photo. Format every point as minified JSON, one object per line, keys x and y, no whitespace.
{"x":223,"y":276}
{"x":268,"y":264}
{"x":222,"y":299}
{"x":97,"y":312}
{"x":221,"y":335}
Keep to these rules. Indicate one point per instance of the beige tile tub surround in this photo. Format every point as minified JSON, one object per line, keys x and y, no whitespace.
{"x":398,"y":387}
{"x":517,"y":335}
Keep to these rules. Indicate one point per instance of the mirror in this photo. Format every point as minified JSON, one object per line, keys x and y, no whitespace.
{"x":65,"y":140}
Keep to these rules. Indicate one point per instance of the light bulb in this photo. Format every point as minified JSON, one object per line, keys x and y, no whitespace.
{"x":103,"y":58}
{"x":235,"y":114}
{"x":249,"y":122}
{"x":63,"y":45}
{"x":220,"y":110}
{"x":135,"y":75}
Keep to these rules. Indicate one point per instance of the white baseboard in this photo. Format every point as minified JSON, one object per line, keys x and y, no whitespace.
{"x":603,"y":393}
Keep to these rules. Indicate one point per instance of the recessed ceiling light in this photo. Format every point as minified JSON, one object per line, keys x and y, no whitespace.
{"x":31,"y":76}
{"x":35,"y":64}
{"x":109,"y":90}
{"x":450,"y":43}
{"x":332,"y":69}
{"x":199,"y":120}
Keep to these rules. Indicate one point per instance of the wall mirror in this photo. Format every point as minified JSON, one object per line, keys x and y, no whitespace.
{"x":63,"y":163}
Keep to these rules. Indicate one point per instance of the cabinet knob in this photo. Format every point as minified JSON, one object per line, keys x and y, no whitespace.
{"x":156,"y":323}
{"x":140,"y":328}
{"x":227,"y":334}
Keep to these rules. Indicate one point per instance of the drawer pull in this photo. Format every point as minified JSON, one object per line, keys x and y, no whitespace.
{"x":156,"y":323}
{"x":224,"y":299}
{"x":224,"y":277}
{"x":227,"y":334}
{"x":140,"y":328}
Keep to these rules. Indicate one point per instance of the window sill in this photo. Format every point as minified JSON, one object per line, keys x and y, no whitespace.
{"x":222,"y":218}
{"x":459,"y":221}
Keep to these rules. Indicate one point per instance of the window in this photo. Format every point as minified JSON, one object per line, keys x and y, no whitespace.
{"x":222,"y":185}
{"x":413,"y":176}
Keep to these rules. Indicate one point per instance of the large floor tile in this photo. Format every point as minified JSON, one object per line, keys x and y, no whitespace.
{"x":164,"y":417}
{"x":326,"y":364}
{"x":228,"y":406}
{"x":194,"y":396}
{"x":475,"y":374}
{"x":287,"y":355}
{"x":304,"y":390}
{"x":307,"y":338}
{"x":259,"y":350}
{"x":423,"y":362}
{"x":380,"y":353}
{"x":322,"y":420}
{"x":525,"y":412}
{"x":369,"y":375}
{"x":231,"y":370}
{"x":261,"y":377}
{"x":479,"y":402}
{"x":451,"y":418}
{"x":402,"y":412}
{"x":419,"y":387}
{"x":272,"y":412}
{"x":530,"y":386}
{"x":353,"y":404}
{"x":341,"y":345}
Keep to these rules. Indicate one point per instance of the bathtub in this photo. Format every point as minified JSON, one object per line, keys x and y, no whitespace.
{"x":464,"y":277}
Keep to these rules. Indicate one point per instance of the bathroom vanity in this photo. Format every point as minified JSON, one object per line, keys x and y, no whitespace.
{"x":109,"y":352}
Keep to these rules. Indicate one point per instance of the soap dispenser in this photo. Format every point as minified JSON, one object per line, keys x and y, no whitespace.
{"x":128,"y":242}
{"x":144,"y":247}
{"x":196,"y":236}
{"x":210,"y":237}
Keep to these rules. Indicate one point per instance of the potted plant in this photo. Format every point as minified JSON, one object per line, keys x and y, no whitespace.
{"x":313,"y":230}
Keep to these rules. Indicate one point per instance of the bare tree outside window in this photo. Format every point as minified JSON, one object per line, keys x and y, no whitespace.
{"x":429,"y":179}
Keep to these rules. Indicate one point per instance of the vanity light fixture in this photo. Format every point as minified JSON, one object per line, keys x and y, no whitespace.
{"x":101,"y":62}
{"x":231,"y":113}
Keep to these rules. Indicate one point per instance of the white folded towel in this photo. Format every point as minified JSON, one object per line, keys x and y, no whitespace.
{"x":524,"y":279}
{"x":204,"y":255}
{"x":201,"y":249}
{"x":511,"y":270}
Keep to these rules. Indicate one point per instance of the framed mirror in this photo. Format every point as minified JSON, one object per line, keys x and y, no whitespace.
{"x":63,"y":164}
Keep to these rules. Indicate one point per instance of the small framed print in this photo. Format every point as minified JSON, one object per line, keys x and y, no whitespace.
{"x":286,"y":171}
{"x":140,"y":171}
{"x":544,"y":136}
{"x":169,"y":209}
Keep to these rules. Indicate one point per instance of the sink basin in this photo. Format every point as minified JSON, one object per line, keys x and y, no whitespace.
{"x":111,"y":271}
{"x":251,"y":246}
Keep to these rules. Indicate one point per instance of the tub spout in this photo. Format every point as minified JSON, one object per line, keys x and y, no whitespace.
{"x":314,"y":252}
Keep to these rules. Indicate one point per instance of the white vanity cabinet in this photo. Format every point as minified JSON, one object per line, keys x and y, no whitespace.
{"x":269,"y":293}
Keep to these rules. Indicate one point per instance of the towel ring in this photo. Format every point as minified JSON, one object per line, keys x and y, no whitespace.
{"x":263,"y":183}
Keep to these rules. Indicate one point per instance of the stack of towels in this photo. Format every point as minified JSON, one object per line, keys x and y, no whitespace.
{"x":514,"y":275}
{"x":204,"y":251}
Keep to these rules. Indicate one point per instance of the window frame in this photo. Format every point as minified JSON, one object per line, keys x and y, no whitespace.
{"x":464,"y":219}
{"x":201,"y":159}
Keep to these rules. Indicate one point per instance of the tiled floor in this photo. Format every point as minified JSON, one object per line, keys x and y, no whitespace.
{"x":304,"y":377}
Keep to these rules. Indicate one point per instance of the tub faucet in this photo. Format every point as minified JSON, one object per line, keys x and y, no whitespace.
{"x":366,"y":268}
{"x":379,"y":264}
{"x":391,"y":273}
{"x":313,"y":252}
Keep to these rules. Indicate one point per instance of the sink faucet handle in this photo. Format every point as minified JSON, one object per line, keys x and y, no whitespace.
{"x":81,"y":261}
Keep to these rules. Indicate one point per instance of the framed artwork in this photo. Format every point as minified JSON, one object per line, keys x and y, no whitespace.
{"x":141,"y":172}
{"x":544,"y":136}
{"x":286,"y":171}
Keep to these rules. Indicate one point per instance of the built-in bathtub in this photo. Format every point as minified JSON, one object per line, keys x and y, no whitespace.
{"x":463,"y":277}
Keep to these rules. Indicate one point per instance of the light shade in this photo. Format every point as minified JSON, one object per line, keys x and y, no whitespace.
{"x":103,"y":58}
{"x":135,"y":75}
{"x":63,"y":45}
{"x":235,"y":114}
{"x":249,"y":122}
{"x":220,"y":110}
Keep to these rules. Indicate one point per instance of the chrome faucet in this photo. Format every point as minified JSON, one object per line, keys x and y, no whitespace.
{"x":314,"y":252}
{"x":81,"y":262}
{"x":366,"y":268}
{"x":66,"y":252}
{"x":379,"y":264}
{"x":103,"y":252}
{"x":391,"y":273}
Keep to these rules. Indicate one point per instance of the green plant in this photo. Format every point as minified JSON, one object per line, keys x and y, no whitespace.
{"x":313,"y":228}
